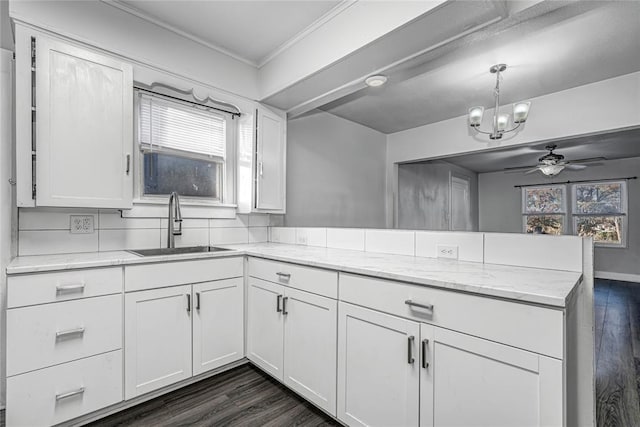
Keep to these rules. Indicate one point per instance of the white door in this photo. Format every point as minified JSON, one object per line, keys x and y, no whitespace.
{"x":218,"y":324}
{"x":84,"y":127}
{"x":265,"y":331}
{"x":310,"y":333}
{"x":157,"y":338}
{"x":378,"y":368}
{"x":460,"y":204}
{"x":271,"y":163}
{"x":474,"y":382}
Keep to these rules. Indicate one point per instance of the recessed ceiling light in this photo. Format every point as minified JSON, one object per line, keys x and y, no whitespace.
{"x":375,"y":81}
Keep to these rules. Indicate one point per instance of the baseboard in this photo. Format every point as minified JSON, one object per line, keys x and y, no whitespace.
{"x":625,"y":277}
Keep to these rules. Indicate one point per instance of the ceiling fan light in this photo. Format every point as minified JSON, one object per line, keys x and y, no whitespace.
{"x":501,"y":122}
{"x":551,"y":170}
{"x":521,"y":112}
{"x":475,"y":116}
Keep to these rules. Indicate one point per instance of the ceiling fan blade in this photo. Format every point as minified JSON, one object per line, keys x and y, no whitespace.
{"x":532,"y":171}
{"x":575,"y":167}
{"x":589,"y":160}
{"x":518,"y":168}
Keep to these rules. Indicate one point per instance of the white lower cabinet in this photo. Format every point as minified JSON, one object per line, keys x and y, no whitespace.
{"x":291,"y":334}
{"x":469,"y":381}
{"x":218,"y":324}
{"x":378,"y":373}
{"x":157,"y":338}
{"x":62,"y":392}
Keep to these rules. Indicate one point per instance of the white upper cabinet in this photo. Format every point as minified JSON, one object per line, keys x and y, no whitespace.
{"x":270,"y":160}
{"x":74,"y":115}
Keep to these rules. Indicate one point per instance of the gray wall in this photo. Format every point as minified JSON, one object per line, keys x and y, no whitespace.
{"x":424,"y":192}
{"x":6,"y":36}
{"x":500,"y":208}
{"x":335,"y":173}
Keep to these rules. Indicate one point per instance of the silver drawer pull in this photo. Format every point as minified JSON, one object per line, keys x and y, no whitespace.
{"x":420,"y":305}
{"x":284,"y":275}
{"x":74,"y":331}
{"x":71,"y":393}
{"x":76,"y":287}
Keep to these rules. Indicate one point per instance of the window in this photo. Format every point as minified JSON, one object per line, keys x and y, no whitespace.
{"x":544,"y":209}
{"x":599,"y":210}
{"x":183,"y":147}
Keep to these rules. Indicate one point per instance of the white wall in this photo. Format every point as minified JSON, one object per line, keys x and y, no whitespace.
{"x":500,"y":208}
{"x":335,"y":173}
{"x":107,"y":27}
{"x":596,"y":107}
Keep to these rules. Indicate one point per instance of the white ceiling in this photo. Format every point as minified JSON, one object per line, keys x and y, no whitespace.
{"x":252,"y":31}
{"x":577,"y":44}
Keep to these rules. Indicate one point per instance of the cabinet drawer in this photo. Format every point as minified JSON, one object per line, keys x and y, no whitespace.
{"x":150,"y":276}
{"x":49,"y":334}
{"x":53,"y":395}
{"x":315,"y":280}
{"x":529,"y":327}
{"x":43,"y":288}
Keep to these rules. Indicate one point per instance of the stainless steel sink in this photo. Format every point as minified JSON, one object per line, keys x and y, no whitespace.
{"x":177,"y":251}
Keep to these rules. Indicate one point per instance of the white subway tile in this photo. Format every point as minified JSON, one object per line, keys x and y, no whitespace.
{"x":397,"y":242}
{"x":227,"y":236}
{"x":311,"y":236}
{"x":470,"y":245}
{"x":131,"y":238}
{"x":51,"y":218}
{"x":113,"y":220}
{"x":258,"y":234}
{"x":55,"y":242}
{"x":258,"y":220}
{"x":238,"y":221}
{"x":188,"y":223}
{"x":345,"y":238}
{"x":534,"y":250}
{"x":283,"y":235}
{"x":189,"y":237}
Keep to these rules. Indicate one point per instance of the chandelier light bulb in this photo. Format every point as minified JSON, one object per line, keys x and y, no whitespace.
{"x":502,"y":122}
{"x":521,"y":111}
{"x":475,"y":115}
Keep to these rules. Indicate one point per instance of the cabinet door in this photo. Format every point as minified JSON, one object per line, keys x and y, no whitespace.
{"x":157,"y":338}
{"x":218,"y":324}
{"x":265,"y":331}
{"x":310,"y":333}
{"x":476,"y":382}
{"x":84,"y":128}
{"x":271,"y":160}
{"x":378,"y":373}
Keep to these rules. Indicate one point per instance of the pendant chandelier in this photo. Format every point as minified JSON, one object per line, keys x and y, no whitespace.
{"x":500,"y":121}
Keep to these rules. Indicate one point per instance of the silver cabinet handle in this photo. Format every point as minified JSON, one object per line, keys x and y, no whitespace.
{"x":284,"y":305}
{"x":60,"y":396}
{"x":410,"y":358}
{"x":128,"y":164}
{"x":188,"y":303}
{"x":425,"y":364}
{"x":284,"y":275}
{"x":75,"y":287}
{"x":74,"y":331}
{"x":278,"y":301}
{"x":420,"y":305}
{"x":197,"y":300}
{"x":260,"y":169}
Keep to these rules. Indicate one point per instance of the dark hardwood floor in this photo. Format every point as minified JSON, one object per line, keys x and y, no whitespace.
{"x":617,"y":318}
{"x":243,"y":396}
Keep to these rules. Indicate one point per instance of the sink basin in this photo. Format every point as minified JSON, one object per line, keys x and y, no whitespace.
{"x":177,"y":251}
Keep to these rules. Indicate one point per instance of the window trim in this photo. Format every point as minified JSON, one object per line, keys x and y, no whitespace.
{"x":228,"y":173}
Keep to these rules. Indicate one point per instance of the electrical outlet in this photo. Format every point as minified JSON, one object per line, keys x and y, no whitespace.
{"x":81,"y":224}
{"x":447,"y":251}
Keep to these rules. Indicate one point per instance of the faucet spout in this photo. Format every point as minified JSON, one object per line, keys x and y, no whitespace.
{"x":174,"y":216}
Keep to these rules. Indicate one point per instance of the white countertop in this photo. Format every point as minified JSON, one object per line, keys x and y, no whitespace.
{"x":549,"y":287}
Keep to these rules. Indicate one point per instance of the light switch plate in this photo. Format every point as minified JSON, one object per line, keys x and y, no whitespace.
{"x":448,"y":251}
{"x":81,"y":224}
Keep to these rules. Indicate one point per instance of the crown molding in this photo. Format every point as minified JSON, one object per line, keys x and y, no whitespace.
{"x":328,"y":16}
{"x":118,"y":4}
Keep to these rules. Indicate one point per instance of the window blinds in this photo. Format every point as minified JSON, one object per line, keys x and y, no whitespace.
{"x":172,"y":125}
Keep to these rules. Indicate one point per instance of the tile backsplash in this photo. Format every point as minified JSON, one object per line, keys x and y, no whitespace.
{"x":47,"y":231}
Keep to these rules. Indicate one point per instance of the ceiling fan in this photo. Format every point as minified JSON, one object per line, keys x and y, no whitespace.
{"x":552,"y":164}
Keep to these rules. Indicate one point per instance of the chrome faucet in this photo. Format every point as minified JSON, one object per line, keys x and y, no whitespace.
{"x":174,"y":217}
